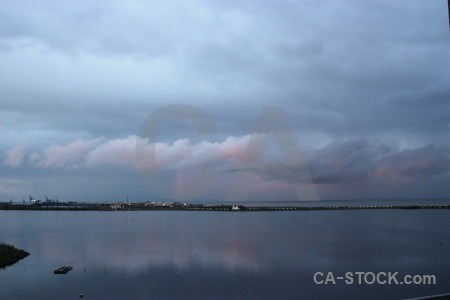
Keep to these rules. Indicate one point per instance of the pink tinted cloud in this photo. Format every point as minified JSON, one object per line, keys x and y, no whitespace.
{"x":70,"y":155}
{"x":119,"y":152}
{"x":14,"y":156}
{"x":337,"y":163}
{"x":122,"y":152}
{"x":183,"y":154}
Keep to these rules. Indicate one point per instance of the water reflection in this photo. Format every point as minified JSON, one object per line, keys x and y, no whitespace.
{"x":221,"y":254}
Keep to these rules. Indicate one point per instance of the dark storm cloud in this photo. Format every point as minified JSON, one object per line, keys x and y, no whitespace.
{"x":345,"y":58}
{"x":360,"y":161}
{"x":416,"y":164}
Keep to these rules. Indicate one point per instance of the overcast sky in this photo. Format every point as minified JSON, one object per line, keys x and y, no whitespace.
{"x":364,"y":87}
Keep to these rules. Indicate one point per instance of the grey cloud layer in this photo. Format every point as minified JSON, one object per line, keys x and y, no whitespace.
{"x":345,"y":162}
{"x":368,"y":72}
{"x":332,"y":64}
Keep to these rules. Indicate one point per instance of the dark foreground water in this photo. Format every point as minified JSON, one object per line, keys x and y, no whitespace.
{"x":223,"y":255}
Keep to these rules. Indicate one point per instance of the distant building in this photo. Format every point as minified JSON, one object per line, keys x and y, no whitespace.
{"x":34,"y":201}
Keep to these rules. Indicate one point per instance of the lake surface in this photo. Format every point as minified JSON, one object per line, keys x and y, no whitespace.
{"x":222,"y":255}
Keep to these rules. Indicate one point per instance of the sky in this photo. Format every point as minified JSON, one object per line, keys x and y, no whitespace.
{"x":259,"y":100}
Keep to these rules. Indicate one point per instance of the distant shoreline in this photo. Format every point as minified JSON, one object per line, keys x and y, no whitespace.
{"x":202,"y":207}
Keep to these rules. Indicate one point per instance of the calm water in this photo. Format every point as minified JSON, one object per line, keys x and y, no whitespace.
{"x":222,"y":255}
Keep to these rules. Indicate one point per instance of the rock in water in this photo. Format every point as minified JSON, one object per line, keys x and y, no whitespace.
{"x":9,"y":255}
